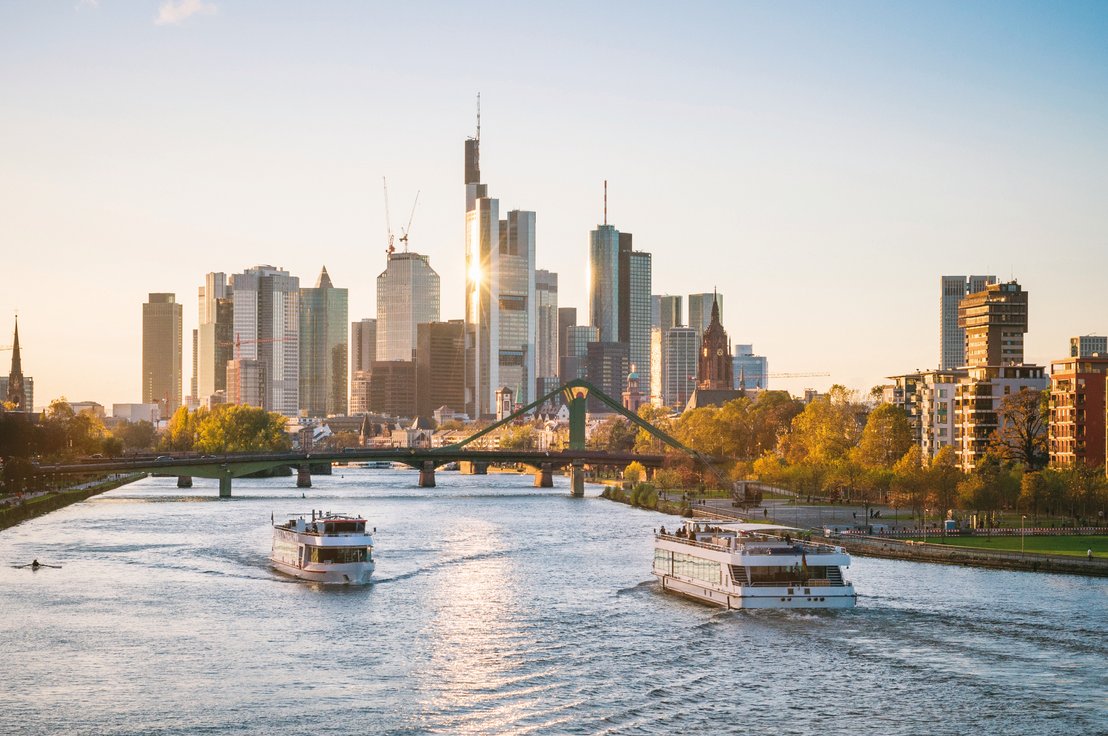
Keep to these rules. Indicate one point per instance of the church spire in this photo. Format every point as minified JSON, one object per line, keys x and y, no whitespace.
{"x":17,"y":396}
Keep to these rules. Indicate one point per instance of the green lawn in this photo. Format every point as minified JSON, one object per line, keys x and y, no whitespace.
{"x":1076,"y":546}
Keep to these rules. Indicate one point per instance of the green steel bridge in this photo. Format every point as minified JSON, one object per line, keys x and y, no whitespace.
{"x":576,"y":456}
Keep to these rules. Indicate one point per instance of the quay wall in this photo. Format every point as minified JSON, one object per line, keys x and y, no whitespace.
{"x":34,"y":507}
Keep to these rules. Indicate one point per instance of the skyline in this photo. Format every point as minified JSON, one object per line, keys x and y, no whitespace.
{"x":825,"y":159}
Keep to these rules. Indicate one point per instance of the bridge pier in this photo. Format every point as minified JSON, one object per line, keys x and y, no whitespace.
{"x":184,"y":481}
{"x":427,"y":474}
{"x":225,"y":485}
{"x":304,"y":476}
{"x":473,"y":467}
{"x":544,"y":477}
{"x":577,"y":476}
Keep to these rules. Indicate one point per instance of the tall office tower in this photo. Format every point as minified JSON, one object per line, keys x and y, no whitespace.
{"x":995,"y":321}
{"x":363,"y":345}
{"x":567,"y":317}
{"x":635,"y":308}
{"x":195,"y":357}
{"x":500,"y":294}
{"x":323,"y":348}
{"x":547,"y":337}
{"x":604,"y":284}
{"x":15,"y":393}
{"x":573,"y":363}
{"x":606,"y":367}
{"x":162,"y":352}
{"x":407,"y":295}
{"x":517,"y":303}
{"x":214,"y":336}
{"x":952,"y":337}
{"x":700,"y":310}
{"x":266,"y":308}
{"x":440,"y":366}
{"x":246,"y":382}
{"x":392,"y":388}
{"x":673,"y":359}
{"x":1085,"y":346}
{"x":665,"y":311}
{"x":748,"y":370}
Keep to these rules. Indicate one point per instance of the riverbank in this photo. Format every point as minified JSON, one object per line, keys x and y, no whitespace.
{"x":34,"y":507}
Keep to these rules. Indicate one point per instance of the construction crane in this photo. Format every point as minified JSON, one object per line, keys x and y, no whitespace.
{"x":408,"y":229}
{"x":388,"y":221}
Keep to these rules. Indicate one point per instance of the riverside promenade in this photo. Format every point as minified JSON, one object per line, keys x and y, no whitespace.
{"x":36,"y":503}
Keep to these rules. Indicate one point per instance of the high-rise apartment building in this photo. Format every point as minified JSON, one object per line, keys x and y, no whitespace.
{"x":749,"y":371}
{"x":324,"y":349}
{"x":162,"y":351}
{"x":266,"y":327}
{"x":214,"y":336}
{"x":440,"y":366}
{"x":1084,"y":346}
{"x":666,"y":311}
{"x":673,"y":358}
{"x":546,"y":332}
{"x":407,"y":295}
{"x":700,"y":310}
{"x":995,"y":321}
{"x":978,"y":404}
{"x":1077,"y":411}
{"x":500,"y":295}
{"x":952,"y":336}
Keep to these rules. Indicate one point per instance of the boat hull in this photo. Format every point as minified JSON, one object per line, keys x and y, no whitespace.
{"x":351,"y":573}
{"x":836,"y":597}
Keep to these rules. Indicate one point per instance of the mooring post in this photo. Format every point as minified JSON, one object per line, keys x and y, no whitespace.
{"x":427,"y":474}
{"x":577,"y":475}
{"x":544,"y":477}
{"x":303,"y":476}
{"x":184,"y":481}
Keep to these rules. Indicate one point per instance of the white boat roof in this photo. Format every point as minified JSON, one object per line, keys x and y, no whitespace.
{"x":745,"y":526}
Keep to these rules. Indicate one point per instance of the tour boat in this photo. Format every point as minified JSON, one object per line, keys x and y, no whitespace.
{"x":745,"y":566}
{"x":328,"y":548}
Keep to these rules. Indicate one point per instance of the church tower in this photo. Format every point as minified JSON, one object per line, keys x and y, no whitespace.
{"x":714,"y":370}
{"x":17,"y":395}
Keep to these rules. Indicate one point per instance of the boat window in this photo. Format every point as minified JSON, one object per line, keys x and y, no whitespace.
{"x":695,"y":567}
{"x":339,"y":554}
{"x":787,"y":574}
{"x":343,"y":527}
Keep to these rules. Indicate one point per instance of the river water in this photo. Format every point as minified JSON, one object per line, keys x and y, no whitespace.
{"x":501,"y":608}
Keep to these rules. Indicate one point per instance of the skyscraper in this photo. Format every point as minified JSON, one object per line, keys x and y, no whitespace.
{"x":952,"y":337}
{"x":440,"y":366}
{"x":500,"y":294}
{"x":578,"y":338}
{"x":407,"y":295}
{"x":547,"y":336}
{"x":604,"y":281}
{"x":995,"y":321}
{"x":666,"y":311}
{"x":635,"y":311}
{"x":567,"y":317}
{"x":606,"y":367}
{"x":214,"y":336}
{"x":323,"y":348}
{"x":700,"y":310}
{"x":266,"y":326}
{"x":673,"y":358}
{"x":162,"y":352}
{"x":749,"y":371}
{"x":363,"y":345}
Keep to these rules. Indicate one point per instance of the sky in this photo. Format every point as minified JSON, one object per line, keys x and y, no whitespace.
{"x":821,"y":164}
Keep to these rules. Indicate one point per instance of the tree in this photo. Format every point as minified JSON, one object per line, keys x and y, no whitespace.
{"x":826,"y":430}
{"x":634,"y":472}
{"x":908,"y":486}
{"x":614,"y":435}
{"x":136,"y":436}
{"x":886,"y":437}
{"x":241,"y":428}
{"x":662,"y":418}
{"x":943,"y":477}
{"x":1021,"y":436}
{"x":517,"y":438}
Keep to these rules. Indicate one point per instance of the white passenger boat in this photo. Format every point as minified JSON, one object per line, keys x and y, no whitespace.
{"x":328,"y":548}
{"x":745,"y":566}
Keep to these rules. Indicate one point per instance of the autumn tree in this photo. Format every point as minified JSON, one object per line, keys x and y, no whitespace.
{"x":1021,"y":436}
{"x":885,"y":438}
{"x":943,"y":477}
{"x":241,"y":428}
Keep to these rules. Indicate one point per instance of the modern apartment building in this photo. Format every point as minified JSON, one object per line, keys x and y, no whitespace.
{"x":407,"y":295}
{"x":952,"y":337}
{"x":324,"y":348}
{"x":978,"y":403}
{"x":1077,"y":411}
{"x":995,"y":321}
{"x":162,"y":351}
{"x":927,"y":397}
{"x":1084,"y":346}
{"x":266,"y":308}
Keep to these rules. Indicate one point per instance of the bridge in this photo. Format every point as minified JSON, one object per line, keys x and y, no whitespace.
{"x":576,"y":456}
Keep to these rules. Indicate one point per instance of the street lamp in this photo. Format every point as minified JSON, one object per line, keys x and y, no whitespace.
{"x":925,"y":524}
{"x":1023,"y":518}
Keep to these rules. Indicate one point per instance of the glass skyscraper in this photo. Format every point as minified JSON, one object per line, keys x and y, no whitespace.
{"x":700,"y":310}
{"x":161,"y":352}
{"x":604,"y":281}
{"x":266,"y":307}
{"x":407,"y":295}
{"x":323,"y":348}
{"x":546,"y":331}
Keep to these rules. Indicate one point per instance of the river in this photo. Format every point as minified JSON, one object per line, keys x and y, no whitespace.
{"x":501,"y":608}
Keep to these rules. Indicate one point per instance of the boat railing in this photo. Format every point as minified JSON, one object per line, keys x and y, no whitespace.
{"x":813,"y":583}
{"x":693,"y":542}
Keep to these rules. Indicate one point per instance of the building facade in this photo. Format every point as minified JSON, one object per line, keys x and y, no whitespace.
{"x":1084,"y":346}
{"x":162,"y":351}
{"x":673,"y":357}
{"x":635,"y":318}
{"x":547,"y":336}
{"x":407,"y":295}
{"x":1077,"y":411}
{"x":574,"y":363}
{"x":604,"y":284}
{"x":606,"y":367}
{"x":266,"y":326}
{"x":978,"y":401}
{"x":700,"y":310}
{"x":324,"y":349}
{"x":952,"y":336}
{"x":750,"y":371}
{"x":392,"y":388}
{"x":440,"y":366}
{"x":518,"y":353}
{"x":666,"y":311}
{"x":215,"y":336}
{"x":995,"y":321}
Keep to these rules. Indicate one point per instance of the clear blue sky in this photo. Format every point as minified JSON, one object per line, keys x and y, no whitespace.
{"x":822,"y":164}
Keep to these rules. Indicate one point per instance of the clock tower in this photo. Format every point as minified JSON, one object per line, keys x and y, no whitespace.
{"x":714,"y":368}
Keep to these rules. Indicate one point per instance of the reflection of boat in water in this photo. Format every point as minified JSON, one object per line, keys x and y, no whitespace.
{"x":330,"y":548}
{"x":376,"y":464}
{"x":741,"y":566}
